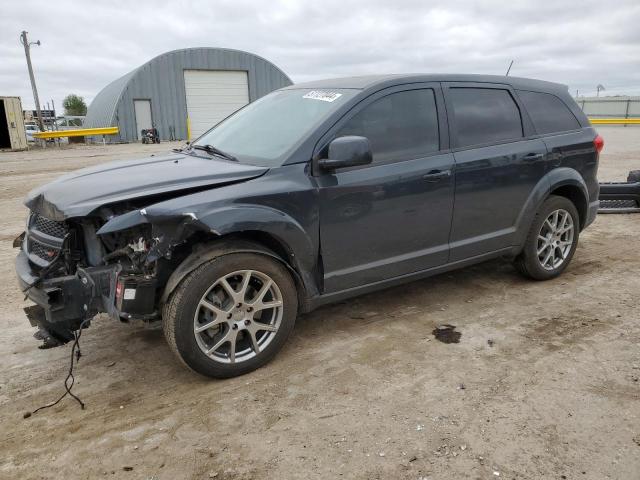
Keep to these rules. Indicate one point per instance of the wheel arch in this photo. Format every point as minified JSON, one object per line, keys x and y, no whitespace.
{"x":198,"y":236}
{"x":565,"y":182}
{"x":577,"y":197}
{"x":250,"y":241}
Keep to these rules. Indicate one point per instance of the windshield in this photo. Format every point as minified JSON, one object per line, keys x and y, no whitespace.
{"x":263,"y":132}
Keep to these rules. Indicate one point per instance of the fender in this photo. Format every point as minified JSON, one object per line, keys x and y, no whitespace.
{"x":559,"y":177}
{"x":173,"y":227}
{"x":235,"y":219}
{"x":556,"y":178}
{"x":208,"y":251}
{"x":289,"y":233}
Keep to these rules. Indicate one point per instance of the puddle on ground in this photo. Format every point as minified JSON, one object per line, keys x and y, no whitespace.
{"x":447,"y":334}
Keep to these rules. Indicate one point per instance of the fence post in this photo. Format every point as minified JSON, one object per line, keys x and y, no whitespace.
{"x":626,"y":113}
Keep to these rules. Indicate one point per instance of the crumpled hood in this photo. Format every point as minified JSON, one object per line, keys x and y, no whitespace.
{"x":79,"y":193}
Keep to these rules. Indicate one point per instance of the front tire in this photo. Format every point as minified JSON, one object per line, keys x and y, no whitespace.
{"x":231,"y":315}
{"x":552,"y":240}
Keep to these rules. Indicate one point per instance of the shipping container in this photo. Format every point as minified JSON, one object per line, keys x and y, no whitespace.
{"x":12,"y":132}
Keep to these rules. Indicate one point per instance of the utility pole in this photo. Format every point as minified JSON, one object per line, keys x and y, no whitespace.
{"x":53,"y":107}
{"x":27,"y":53}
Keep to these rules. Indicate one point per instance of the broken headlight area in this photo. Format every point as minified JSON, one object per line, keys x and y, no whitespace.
{"x":129,"y":247}
{"x":137,"y":281}
{"x":116,"y":261}
{"x":71,"y":273}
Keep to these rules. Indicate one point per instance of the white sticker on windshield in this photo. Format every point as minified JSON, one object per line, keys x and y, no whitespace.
{"x":322,"y":95}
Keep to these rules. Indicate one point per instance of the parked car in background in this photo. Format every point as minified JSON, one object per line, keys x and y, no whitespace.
{"x":69,"y":122}
{"x":313,"y":194}
{"x":30,"y":129}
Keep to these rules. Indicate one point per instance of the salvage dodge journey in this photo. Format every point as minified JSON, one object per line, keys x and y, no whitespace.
{"x":312,"y":194}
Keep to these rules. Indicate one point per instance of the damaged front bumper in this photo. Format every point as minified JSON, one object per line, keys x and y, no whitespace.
{"x":63,"y":303}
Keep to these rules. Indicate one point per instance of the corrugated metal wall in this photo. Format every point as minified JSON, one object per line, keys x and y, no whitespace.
{"x":161,"y":80}
{"x":102,"y":110}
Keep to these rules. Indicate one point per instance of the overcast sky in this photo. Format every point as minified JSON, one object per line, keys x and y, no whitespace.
{"x":86,"y":45}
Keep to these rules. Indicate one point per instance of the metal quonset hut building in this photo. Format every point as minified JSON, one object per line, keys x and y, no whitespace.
{"x":183,"y":93}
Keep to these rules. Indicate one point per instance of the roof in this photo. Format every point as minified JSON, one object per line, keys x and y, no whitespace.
{"x":370,"y":81}
{"x":103,"y":107}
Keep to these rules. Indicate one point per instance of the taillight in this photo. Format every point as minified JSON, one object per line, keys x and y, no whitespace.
{"x":119,"y":289}
{"x":598,"y":142}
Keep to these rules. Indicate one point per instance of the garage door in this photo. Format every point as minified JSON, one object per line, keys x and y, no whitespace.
{"x":212,"y":96}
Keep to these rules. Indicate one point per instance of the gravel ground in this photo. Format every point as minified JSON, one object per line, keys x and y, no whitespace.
{"x":544,"y":383}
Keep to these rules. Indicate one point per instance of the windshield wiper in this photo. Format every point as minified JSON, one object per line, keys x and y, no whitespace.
{"x":215,"y":151}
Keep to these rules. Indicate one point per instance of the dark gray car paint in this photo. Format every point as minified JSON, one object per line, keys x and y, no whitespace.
{"x":396,"y":197}
{"x":493,"y":181}
{"x":294,"y":203}
{"x":281,"y":203}
{"x":79,"y":193}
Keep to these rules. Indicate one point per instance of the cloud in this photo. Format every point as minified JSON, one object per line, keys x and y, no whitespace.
{"x":86,"y":45}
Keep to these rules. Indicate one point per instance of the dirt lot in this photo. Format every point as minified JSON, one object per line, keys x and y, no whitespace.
{"x":545,"y":382}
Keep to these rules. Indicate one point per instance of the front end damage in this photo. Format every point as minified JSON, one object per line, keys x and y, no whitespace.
{"x":62,"y":303}
{"x":114,"y":261}
{"x":90,"y":247}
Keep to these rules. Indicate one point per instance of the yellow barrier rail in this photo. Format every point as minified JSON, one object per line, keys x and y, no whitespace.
{"x":89,"y":132}
{"x":81,"y":132}
{"x":615,"y":121}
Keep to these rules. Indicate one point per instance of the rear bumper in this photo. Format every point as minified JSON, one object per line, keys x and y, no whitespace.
{"x":62,"y":303}
{"x":591,"y":213}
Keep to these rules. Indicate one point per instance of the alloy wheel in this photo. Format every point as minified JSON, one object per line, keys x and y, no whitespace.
{"x":238,"y":316}
{"x":555,"y":239}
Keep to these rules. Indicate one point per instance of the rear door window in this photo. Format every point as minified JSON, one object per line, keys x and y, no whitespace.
{"x":400,"y":126}
{"x":548,"y":113}
{"x":484,"y":115}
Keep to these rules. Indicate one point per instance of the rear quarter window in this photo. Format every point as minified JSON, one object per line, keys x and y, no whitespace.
{"x":485,"y":115}
{"x":548,"y":113}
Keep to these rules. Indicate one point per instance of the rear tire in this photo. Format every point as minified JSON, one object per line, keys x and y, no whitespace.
{"x":552,"y":240}
{"x":231,"y":315}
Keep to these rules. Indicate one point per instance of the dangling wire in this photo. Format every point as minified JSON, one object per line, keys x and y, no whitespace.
{"x":70,"y":379}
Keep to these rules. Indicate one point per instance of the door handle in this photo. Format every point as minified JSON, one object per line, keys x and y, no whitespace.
{"x":435,"y":175}
{"x":533,"y":157}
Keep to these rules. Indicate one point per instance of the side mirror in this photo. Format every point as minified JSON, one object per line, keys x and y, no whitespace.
{"x":349,"y":151}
